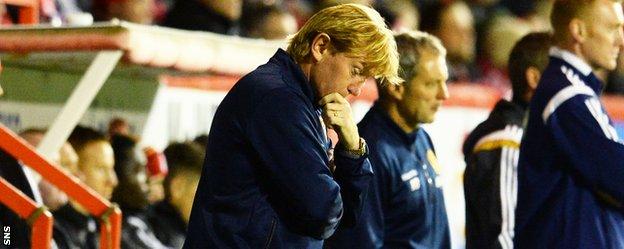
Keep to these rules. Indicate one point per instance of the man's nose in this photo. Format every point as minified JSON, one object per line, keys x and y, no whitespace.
{"x":443,"y":92}
{"x":356,"y":89}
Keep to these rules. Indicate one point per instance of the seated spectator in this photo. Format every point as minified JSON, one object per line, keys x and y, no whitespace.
{"x":202,"y":140}
{"x":170,"y":217}
{"x":131,"y":194}
{"x":503,"y":31}
{"x":74,"y":227}
{"x":118,"y":126}
{"x":67,"y":158}
{"x":267,"y":22}
{"x":400,"y":15}
{"x":13,"y":173}
{"x":206,"y":15}
{"x":136,"y":11}
{"x":453,"y":23}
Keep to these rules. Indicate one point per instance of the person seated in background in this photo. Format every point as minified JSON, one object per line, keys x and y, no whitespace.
{"x":220,"y":16}
{"x":491,"y":151}
{"x":13,"y":172}
{"x":202,"y":140}
{"x":131,"y":194}
{"x":400,"y":15}
{"x":67,"y":158}
{"x":453,"y":23}
{"x":170,"y":217}
{"x":267,"y":22}
{"x":136,"y":11}
{"x":76,"y":228}
{"x":118,"y":125}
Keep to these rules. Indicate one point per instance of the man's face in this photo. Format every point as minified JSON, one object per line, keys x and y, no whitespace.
{"x":69,"y":158}
{"x":231,"y":9}
{"x":278,"y":26}
{"x":336,"y":72}
{"x":457,"y":33}
{"x":604,"y":38}
{"x":96,"y":163}
{"x":425,"y":92}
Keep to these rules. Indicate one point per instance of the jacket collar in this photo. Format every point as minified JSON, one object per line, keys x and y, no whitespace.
{"x":382,"y":117}
{"x":294,"y":76}
{"x":571,"y":59}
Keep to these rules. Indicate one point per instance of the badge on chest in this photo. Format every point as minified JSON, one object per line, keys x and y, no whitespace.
{"x":412,"y":178}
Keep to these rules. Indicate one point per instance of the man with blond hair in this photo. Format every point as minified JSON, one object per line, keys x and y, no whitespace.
{"x":405,"y":204}
{"x":571,"y":165}
{"x":266,"y":182}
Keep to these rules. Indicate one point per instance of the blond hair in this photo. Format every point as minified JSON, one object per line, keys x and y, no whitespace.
{"x":356,"y":30}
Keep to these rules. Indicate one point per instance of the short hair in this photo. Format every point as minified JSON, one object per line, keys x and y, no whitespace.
{"x":187,"y":157}
{"x":563,"y":11}
{"x":391,"y":10}
{"x":530,"y":51}
{"x":127,"y":155}
{"x":129,"y":161}
{"x":254,"y":16}
{"x":355,"y":30}
{"x":411,"y":46}
{"x":431,"y":15}
{"x":32,"y":131}
{"x":202,"y":140}
{"x":82,"y":136}
{"x":29,"y":134}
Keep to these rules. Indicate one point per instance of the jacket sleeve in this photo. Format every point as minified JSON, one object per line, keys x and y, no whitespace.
{"x":284,"y":134}
{"x":583,"y":132}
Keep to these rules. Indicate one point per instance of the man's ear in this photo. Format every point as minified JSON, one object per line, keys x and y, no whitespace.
{"x":320,"y":46}
{"x":532,"y":75}
{"x":395,"y":91}
{"x":175,"y":186}
{"x":577,"y":29}
{"x":80,"y":175}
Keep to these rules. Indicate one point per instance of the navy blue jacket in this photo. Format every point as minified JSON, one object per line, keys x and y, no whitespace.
{"x":405,"y":204}
{"x":266,"y":181}
{"x":571,"y":166}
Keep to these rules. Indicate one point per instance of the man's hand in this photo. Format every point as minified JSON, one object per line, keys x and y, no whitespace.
{"x":337,"y":116}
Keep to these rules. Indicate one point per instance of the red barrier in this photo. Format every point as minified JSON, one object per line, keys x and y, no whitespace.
{"x":109,"y":214}
{"x":39,"y":218}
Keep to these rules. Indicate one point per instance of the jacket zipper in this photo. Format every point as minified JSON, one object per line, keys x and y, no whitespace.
{"x":273,"y":224}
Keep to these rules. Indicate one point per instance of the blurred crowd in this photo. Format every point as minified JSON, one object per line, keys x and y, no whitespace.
{"x":478,"y":34}
{"x":153,"y":189}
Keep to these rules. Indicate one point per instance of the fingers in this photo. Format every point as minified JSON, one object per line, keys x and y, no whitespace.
{"x":333,"y":98}
{"x":335,"y":107}
{"x":337,"y":115}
